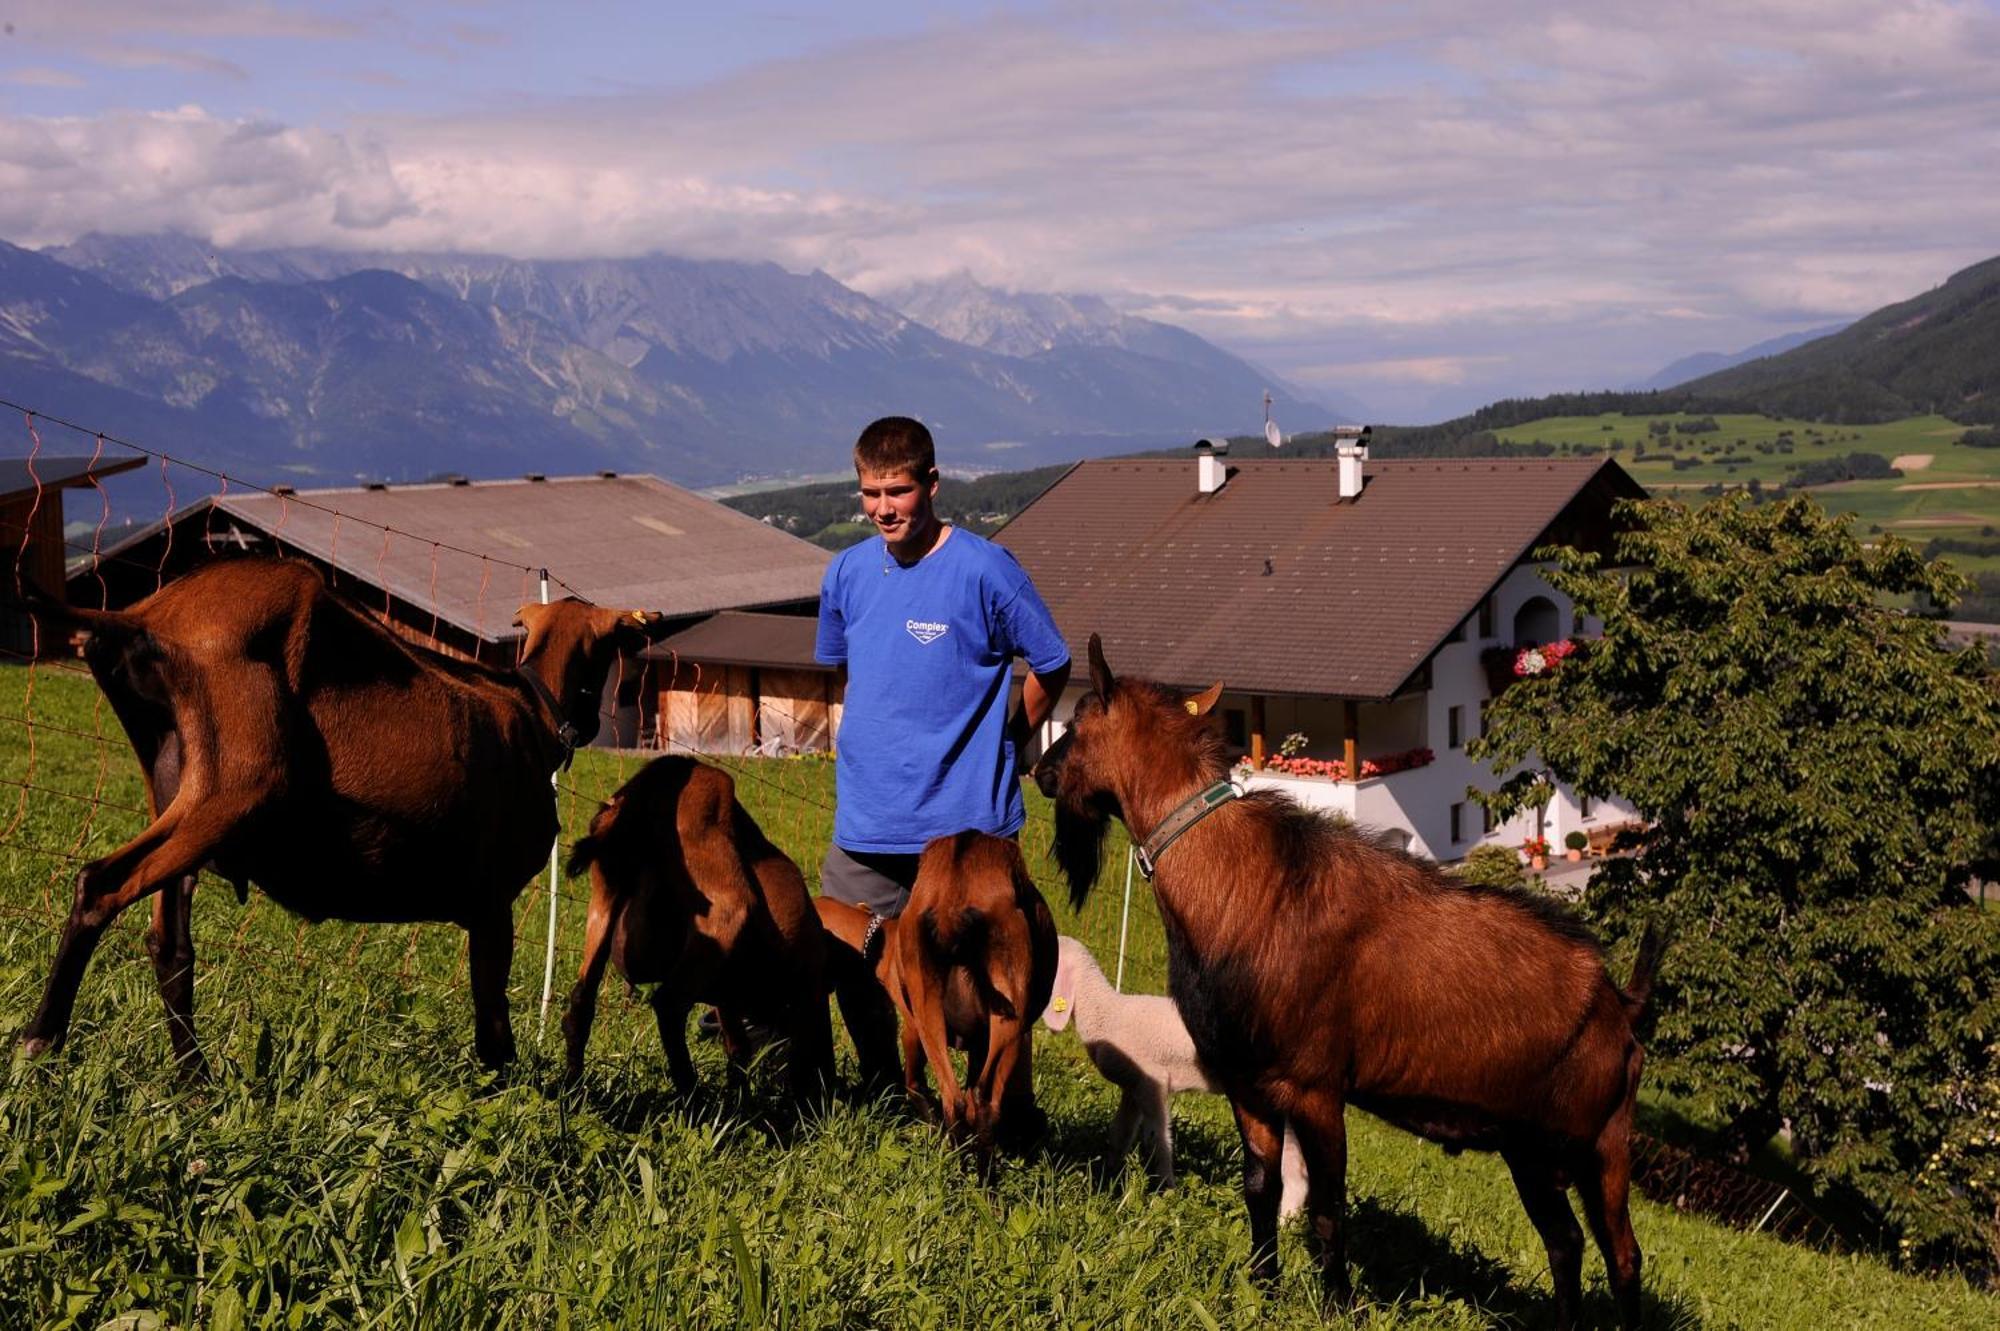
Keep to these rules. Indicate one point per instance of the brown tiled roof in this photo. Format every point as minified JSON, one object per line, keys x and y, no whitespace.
{"x":634,"y":542}
{"x":1271,"y":584}
{"x":738,"y":637}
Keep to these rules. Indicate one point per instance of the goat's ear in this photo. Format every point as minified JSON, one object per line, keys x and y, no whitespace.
{"x":1100,"y":673}
{"x":1201,"y":704}
{"x":534,"y":618}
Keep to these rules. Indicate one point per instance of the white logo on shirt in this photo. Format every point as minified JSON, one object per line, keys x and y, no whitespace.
{"x":926,"y":633}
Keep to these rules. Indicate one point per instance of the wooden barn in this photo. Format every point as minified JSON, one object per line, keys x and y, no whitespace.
{"x":745,"y":682}
{"x":31,"y":534}
{"x":447,"y":564}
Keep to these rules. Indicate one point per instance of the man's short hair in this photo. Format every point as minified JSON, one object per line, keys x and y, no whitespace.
{"x":897,"y":443}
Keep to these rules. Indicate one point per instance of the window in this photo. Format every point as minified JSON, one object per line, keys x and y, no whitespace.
{"x":1486,"y":820}
{"x":1235,"y":730}
{"x":1457,"y":822}
{"x":1484,"y":703}
{"x":1586,"y":804}
{"x":1454,"y":728}
{"x":1486,"y":618}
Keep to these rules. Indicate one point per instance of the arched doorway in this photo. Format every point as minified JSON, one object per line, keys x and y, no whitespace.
{"x":1536,"y":622}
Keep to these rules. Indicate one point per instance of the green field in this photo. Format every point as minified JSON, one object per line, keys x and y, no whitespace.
{"x":1956,"y":493}
{"x":352,"y":1166}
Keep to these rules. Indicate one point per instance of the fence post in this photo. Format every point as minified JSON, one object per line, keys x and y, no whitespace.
{"x":1124,"y":918}
{"x":549,"y":962}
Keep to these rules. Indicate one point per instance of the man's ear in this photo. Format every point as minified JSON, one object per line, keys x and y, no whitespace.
{"x":1201,"y":704}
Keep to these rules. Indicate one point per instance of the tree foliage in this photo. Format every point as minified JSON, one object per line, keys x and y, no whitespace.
{"x":1820,"y":773}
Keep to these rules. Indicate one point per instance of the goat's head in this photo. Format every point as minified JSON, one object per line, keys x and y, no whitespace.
{"x":572,"y":645}
{"x":1126,"y":737}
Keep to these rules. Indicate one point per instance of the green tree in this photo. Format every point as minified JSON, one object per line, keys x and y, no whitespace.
{"x":1820,"y":773}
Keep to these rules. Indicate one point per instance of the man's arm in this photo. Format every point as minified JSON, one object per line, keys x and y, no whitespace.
{"x":1038,"y":700}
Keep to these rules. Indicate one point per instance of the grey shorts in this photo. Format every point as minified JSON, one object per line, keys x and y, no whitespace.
{"x":875,"y":882}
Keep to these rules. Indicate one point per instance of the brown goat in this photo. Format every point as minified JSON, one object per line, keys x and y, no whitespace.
{"x":970,"y":962}
{"x":1316,"y":969}
{"x":687,"y":893}
{"x":289,"y":740}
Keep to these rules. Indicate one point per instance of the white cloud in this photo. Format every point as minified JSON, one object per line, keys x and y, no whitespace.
{"x":1432,"y":185}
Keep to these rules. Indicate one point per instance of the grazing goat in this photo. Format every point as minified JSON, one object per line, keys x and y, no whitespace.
{"x":969,"y":961}
{"x":687,"y":893}
{"x":1316,"y":969}
{"x":1140,"y":1045}
{"x":289,"y":740}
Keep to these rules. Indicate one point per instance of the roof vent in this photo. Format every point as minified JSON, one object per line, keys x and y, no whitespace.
{"x":461,"y":480}
{"x":1351,"y":448}
{"x":376,"y":485}
{"x":607,"y":475}
{"x":1209,"y":473}
{"x":284,"y":490}
{"x":534,"y":476}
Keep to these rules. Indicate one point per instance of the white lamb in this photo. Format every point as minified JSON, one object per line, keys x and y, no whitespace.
{"x":1140,"y":1045}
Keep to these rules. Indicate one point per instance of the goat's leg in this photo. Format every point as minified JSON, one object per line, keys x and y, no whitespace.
{"x":869,"y":1015}
{"x":176,"y":844}
{"x":737,"y":1047}
{"x":1156,"y":1131}
{"x":1021,"y":1119}
{"x":170,"y":942}
{"x":580,"y":1012}
{"x":1006,"y":1051}
{"x":1263,"y":1132}
{"x":914,"y":1085}
{"x":1603,"y":1184}
{"x":1318,"y":1124}
{"x":1124,"y":1127}
{"x":1542,"y":1194}
{"x":810,"y":1055}
{"x":670,"y":1014}
{"x":489,"y":946}
{"x":923,"y":1005}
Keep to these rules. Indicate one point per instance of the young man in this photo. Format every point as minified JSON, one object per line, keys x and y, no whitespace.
{"x":928,"y":619}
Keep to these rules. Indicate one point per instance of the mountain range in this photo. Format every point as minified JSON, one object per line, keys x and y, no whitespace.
{"x":1936,"y":352}
{"x":1709,"y":362}
{"x":318,"y":366}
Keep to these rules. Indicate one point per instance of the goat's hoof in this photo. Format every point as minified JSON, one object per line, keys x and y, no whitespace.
{"x":34,"y":1046}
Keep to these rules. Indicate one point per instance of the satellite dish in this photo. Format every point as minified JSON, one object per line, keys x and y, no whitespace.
{"x":1272,"y":436}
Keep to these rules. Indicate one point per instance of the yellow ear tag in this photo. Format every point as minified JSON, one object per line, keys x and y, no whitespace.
{"x":1059,"y":1004}
{"x":1193,"y":708}
{"x":637,"y":616}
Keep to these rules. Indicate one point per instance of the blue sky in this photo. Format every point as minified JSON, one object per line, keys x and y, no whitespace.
{"x":1426,"y":204}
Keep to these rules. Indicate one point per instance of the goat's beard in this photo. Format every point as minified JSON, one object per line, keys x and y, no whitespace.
{"x":1079,"y":847}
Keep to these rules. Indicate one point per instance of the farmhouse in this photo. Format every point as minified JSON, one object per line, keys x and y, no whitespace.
{"x":1356,"y":603}
{"x":31,"y":531}
{"x":447,"y":563}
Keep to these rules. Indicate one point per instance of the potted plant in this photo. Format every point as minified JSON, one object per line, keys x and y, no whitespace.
{"x":1574,"y":843}
{"x":1536,"y":848}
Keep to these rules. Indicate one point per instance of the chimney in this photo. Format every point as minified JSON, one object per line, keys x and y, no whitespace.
{"x":1351,"y":447}
{"x":1209,"y":473}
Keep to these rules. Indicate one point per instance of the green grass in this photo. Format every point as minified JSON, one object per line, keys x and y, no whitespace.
{"x":1894,"y":504}
{"x":352,"y":1166}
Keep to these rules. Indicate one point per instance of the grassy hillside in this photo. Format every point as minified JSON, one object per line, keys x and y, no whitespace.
{"x":352,"y":1166}
{"x":1938,"y":352}
{"x":824,"y":514}
{"x":1946,"y":498}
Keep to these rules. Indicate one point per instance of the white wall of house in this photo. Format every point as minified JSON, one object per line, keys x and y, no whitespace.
{"x":1419,"y":802}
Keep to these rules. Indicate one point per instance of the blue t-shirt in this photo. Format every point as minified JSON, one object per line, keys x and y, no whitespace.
{"x":923,"y":747}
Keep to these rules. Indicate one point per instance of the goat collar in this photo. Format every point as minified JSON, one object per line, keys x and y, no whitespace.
{"x":871,"y":941}
{"x":566,"y":734}
{"x":1185,"y":815}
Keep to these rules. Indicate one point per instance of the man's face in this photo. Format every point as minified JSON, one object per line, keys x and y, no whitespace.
{"x":897,"y":502}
